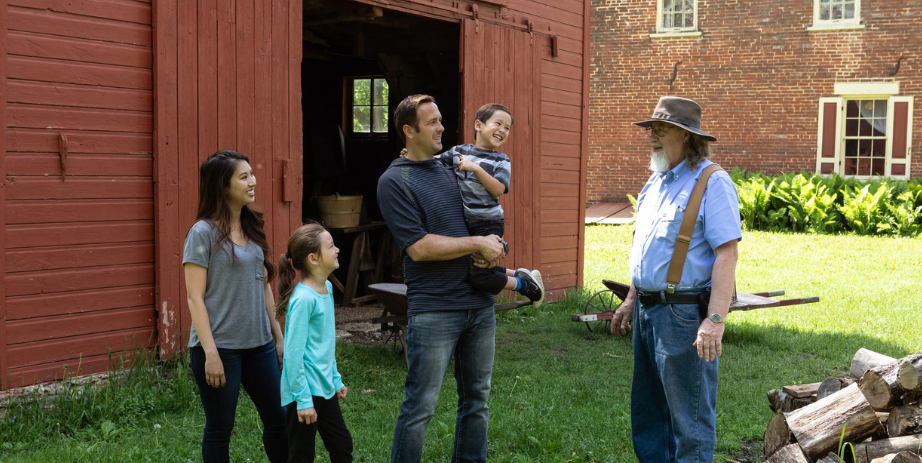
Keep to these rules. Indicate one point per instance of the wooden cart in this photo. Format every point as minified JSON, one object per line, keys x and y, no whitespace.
{"x":393,"y":319}
{"x":600,"y":308}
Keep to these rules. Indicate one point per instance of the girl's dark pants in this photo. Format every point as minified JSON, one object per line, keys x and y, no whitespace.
{"x":331,"y":426}
{"x":493,"y":279}
{"x":257,"y":369}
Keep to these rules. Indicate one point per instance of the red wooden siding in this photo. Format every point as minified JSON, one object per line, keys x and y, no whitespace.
{"x":4,"y":365}
{"x":228,"y":77}
{"x":77,"y":202}
{"x":500,"y":65}
{"x":559,"y":130}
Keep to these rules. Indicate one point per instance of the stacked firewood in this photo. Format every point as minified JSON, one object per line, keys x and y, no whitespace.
{"x":876,"y":408}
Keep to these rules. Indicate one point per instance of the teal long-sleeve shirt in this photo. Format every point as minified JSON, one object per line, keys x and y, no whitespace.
{"x":309,"y":368}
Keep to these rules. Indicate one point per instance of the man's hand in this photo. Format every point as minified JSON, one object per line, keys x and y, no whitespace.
{"x":491,"y":252}
{"x":621,"y":322}
{"x":308,"y":415}
{"x":709,"y":339}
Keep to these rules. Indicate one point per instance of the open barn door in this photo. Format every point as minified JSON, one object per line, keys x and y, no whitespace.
{"x":502,"y":65}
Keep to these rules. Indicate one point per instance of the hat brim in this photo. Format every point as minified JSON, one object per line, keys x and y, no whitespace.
{"x":704,"y":134}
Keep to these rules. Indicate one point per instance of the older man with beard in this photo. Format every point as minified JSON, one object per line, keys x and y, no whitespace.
{"x":676,"y":345}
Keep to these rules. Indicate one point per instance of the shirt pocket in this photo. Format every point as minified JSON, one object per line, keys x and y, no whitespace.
{"x":667,"y":225}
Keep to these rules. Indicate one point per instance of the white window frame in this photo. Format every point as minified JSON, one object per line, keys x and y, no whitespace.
{"x":820,"y":25}
{"x":663,"y":32}
{"x":870,"y":94}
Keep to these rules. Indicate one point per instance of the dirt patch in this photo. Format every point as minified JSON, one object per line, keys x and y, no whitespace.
{"x":353,"y":324}
{"x":751,"y":452}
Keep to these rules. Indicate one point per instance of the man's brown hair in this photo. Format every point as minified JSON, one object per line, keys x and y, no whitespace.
{"x":405,"y":114}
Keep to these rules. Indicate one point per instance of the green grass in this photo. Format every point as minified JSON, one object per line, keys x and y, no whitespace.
{"x":561,"y":393}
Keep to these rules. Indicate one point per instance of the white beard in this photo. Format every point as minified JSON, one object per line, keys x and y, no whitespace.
{"x":659,"y":161}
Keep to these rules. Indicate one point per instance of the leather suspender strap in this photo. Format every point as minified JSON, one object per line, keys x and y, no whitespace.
{"x":674,"y":274}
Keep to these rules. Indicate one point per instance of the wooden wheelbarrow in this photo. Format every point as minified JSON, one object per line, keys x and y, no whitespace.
{"x":393,"y":319}
{"x":600,"y":308}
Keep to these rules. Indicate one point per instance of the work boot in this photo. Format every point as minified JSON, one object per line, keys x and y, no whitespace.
{"x":535,"y":289}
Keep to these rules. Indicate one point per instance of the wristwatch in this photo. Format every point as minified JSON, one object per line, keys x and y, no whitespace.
{"x":505,"y":246}
{"x":716,"y":318}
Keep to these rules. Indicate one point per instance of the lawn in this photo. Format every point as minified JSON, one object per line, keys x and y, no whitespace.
{"x":560,"y":393}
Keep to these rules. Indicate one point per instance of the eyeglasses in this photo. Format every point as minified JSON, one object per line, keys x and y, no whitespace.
{"x":659,"y":132}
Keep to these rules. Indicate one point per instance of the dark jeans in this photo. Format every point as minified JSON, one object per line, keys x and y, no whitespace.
{"x":331,"y":426}
{"x":257,"y":369}
{"x":492,"y":280}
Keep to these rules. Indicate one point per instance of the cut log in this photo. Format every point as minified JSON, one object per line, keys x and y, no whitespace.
{"x":782,"y":402}
{"x":802,"y":391}
{"x":818,"y":426}
{"x":867,"y":451}
{"x":904,"y":420}
{"x":829,"y":458}
{"x":789,"y":454}
{"x":901,"y":457}
{"x":912,"y":396}
{"x":832,"y":385}
{"x":865,"y":360}
{"x":777,"y":435}
{"x":884,"y":386}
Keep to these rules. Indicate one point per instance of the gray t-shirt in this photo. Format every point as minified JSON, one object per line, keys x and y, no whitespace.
{"x":235,"y":289}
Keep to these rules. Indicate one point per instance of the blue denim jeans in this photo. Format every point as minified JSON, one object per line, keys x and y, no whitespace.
{"x":432,"y":339}
{"x":257,"y":369}
{"x":674,"y":392}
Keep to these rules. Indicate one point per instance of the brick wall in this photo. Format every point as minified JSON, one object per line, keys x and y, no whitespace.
{"x":756,"y":71}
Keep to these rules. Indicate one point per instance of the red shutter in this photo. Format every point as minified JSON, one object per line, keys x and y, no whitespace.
{"x":827,"y":161}
{"x":900,"y":134}
{"x":502,"y":65}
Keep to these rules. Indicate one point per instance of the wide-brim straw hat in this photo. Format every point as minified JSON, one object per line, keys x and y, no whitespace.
{"x":680,"y":112}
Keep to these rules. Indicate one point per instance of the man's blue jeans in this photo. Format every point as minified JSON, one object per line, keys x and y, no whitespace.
{"x":674,"y":392}
{"x":432,"y":339}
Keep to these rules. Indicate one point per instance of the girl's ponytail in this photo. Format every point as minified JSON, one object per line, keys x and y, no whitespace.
{"x":286,"y":285}
{"x":303,"y":242}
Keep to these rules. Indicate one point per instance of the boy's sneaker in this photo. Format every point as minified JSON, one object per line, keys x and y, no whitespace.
{"x":535,"y":291}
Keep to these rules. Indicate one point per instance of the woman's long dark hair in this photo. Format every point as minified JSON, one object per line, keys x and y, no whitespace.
{"x":214,"y":178}
{"x":303,"y":242}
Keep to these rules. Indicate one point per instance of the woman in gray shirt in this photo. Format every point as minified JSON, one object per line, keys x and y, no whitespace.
{"x":235,"y":337}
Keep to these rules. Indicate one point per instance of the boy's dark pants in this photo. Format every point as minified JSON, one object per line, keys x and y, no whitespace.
{"x":493,"y":279}
{"x":331,"y":426}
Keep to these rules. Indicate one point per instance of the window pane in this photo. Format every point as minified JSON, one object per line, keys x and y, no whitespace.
{"x":851,"y":148}
{"x":381,"y":90}
{"x":880,"y":149}
{"x":877,"y":166}
{"x":689,"y":19}
{"x":851,"y":109}
{"x":836,"y":12}
{"x":864,"y":166}
{"x":880,"y":108}
{"x":824,"y":12}
{"x":380,"y":118}
{"x":851,"y":166}
{"x":668,"y":5}
{"x":668,"y":20}
{"x":361,"y":92}
{"x":361,"y":119}
{"x":864,"y":148}
{"x":849,"y":11}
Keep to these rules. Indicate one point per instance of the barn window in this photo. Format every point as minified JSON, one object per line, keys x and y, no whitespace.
{"x":369,"y":105}
{"x":676,"y":18}
{"x":836,"y":15}
{"x":865,"y":135}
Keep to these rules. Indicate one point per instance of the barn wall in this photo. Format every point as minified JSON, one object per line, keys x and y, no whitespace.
{"x":77,"y":198}
{"x":757,"y":72}
{"x":227,"y":77}
{"x":561,"y":122}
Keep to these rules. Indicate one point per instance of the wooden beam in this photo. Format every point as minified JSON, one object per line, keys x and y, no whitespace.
{"x":166,"y":195}
{"x":584,"y":147}
{"x":4,"y":365}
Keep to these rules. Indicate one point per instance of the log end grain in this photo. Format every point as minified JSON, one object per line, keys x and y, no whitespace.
{"x":777,"y":435}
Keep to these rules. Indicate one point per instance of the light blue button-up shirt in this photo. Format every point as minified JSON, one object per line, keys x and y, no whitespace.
{"x":661,"y":207}
{"x":309,"y":366}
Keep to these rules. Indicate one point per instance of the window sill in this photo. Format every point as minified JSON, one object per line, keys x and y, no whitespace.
{"x":835,"y":27}
{"x":675,"y":34}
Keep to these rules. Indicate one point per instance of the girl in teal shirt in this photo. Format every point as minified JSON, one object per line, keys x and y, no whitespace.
{"x":311,"y":385}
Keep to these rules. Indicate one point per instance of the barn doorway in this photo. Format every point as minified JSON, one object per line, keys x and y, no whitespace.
{"x":359,"y":62}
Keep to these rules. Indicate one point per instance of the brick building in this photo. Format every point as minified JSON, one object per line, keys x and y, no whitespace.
{"x":786,"y":86}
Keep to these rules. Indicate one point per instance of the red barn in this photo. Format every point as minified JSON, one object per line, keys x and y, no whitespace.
{"x":821,"y":86}
{"x":109,"y":106}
